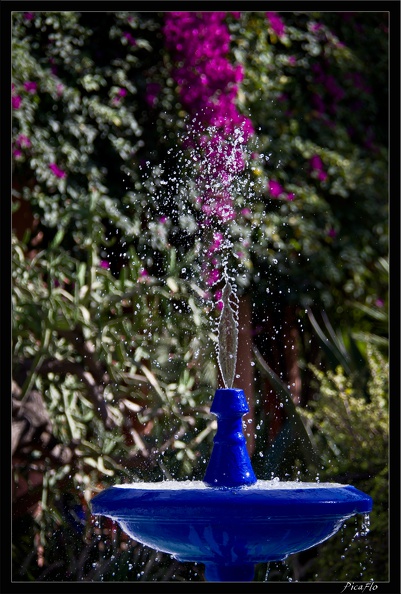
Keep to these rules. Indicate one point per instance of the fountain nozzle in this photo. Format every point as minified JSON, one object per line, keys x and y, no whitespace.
{"x":229,"y":465}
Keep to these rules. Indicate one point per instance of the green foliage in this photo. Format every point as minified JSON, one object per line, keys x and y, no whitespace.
{"x":123,"y":382}
{"x":302,"y":90}
{"x":84,"y":115}
{"x":351,"y":433}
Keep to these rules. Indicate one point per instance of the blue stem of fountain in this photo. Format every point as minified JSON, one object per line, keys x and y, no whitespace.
{"x":229,"y":464}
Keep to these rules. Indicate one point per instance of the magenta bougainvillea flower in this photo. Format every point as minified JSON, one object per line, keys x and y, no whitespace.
{"x":16,"y":102}
{"x":315,"y":27}
{"x":152,"y":93}
{"x":129,"y":38}
{"x":214,"y":274}
{"x":216,"y":244}
{"x":57,"y":171}
{"x":332,"y":232}
{"x":275,"y":188}
{"x":208,"y":84}
{"x":276,"y":23}
{"x":120,"y":94}
{"x":30,"y":86}
{"x":316,"y":165}
{"x":331,"y":89}
{"x":21,"y":142}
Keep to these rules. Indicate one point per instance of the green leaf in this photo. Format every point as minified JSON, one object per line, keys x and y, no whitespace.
{"x":333,"y":348}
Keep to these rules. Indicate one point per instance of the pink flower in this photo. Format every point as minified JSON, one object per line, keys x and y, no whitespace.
{"x":53,"y":68}
{"x":316,"y":164}
{"x":213,"y":277}
{"x":144,"y":276}
{"x":104,"y":264}
{"x":30,"y":86}
{"x":120,"y":93}
{"x":217,"y":241}
{"x":57,"y":171}
{"x":316,"y":27}
{"x":28,"y":16}
{"x":275,"y":188}
{"x":129,"y":38}
{"x":332,"y":232}
{"x":16,"y":102}
{"x":23,"y":141}
{"x":152,"y":92}
{"x":291,"y":196}
{"x":276,"y":23}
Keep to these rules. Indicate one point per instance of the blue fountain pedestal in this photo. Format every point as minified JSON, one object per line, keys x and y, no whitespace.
{"x":229,"y":465}
{"x":230,"y":521}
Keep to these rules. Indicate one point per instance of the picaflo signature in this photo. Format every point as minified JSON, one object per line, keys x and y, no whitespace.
{"x":352,"y":587}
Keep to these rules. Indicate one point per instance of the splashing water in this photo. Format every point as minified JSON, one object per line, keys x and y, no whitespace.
{"x":262,"y":485}
{"x":227,"y":334}
{"x":199,"y":198}
{"x":200,"y":204}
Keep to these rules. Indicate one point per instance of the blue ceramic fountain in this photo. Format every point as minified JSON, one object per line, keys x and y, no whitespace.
{"x":230,"y":521}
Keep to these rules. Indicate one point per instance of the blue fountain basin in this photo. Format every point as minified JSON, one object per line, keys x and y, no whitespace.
{"x":263,"y":522}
